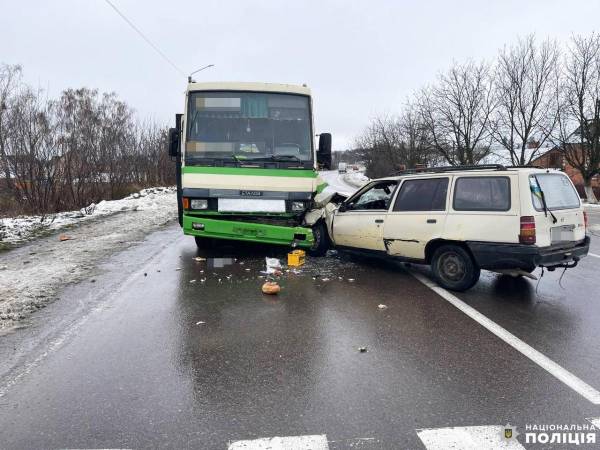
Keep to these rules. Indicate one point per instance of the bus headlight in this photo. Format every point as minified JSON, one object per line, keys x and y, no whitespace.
{"x":199,"y":203}
{"x":297,"y":206}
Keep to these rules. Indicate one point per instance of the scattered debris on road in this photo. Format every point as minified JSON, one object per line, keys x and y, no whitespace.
{"x":273,"y":265}
{"x":65,"y":237}
{"x":271,"y":288}
{"x":296,"y":258}
{"x":382,"y":306}
{"x":362,"y":349}
{"x":200,"y":322}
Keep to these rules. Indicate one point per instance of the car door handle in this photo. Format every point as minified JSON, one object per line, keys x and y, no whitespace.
{"x":378,"y":220}
{"x":431,"y":221}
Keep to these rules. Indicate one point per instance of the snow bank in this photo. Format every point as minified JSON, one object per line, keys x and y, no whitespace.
{"x":25,"y":228}
{"x":32,"y":275}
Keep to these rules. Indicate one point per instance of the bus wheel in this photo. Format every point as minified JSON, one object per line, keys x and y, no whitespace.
{"x":321,"y":242}
{"x":202,"y":242}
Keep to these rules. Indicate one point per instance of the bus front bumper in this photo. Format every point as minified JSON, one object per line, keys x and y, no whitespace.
{"x":247,"y":231}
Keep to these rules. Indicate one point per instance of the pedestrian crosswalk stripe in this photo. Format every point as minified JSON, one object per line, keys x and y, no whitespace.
{"x":467,"y":438}
{"x":310,"y":442}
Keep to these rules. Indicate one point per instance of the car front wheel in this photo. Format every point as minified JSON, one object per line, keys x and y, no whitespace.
{"x":454,"y":269}
{"x":321,"y":240}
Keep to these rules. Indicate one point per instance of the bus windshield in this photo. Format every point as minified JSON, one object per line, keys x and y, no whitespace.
{"x":248,"y":126}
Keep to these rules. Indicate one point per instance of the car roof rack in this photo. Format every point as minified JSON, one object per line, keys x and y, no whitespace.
{"x":452,"y":169}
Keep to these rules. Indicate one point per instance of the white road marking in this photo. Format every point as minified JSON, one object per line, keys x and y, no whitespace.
{"x":467,"y":438}
{"x":594,"y":255}
{"x":540,"y":359}
{"x":595,"y":421}
{"x":310,"y":442}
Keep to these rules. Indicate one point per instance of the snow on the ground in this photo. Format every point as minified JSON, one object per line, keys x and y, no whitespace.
{"x":24,"y":228}
{"x":336,"y":182}
{"x":356,"y":179}
{"x":33,"y":274}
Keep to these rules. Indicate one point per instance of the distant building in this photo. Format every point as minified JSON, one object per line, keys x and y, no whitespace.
{"x":554,"y":158}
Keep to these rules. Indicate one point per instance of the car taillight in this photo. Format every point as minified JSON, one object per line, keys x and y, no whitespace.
{"x":527,"y":234}
{"x":585,"y":221}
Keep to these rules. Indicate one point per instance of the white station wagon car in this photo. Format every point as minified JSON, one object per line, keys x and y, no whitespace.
{"x":463,"y":219}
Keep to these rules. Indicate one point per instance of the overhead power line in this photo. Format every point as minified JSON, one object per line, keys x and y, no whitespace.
{"x":143,"y":36}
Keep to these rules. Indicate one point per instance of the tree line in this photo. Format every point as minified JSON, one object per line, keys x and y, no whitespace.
{"x":535,"y":94}
{"x":65,"y":153}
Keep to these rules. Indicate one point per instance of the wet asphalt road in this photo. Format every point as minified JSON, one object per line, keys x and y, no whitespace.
{"x":143,"y":357}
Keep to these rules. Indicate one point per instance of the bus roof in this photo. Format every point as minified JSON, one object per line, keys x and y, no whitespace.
{"x":243,"y":86}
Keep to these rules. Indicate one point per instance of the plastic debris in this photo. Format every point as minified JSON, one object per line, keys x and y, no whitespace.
{"x":199,"y":258}
{"x":325,"y":279}
{"x":273,"y":265}
{"x":296,"y":258}
{"x":200,"y":322}
{"x":271,"y":288}
{"x":351,"y":280}
{"x":362,"y":349}
{"x":192,"y":281}
{"x":382,"y":306}
{"x":65,"y":237}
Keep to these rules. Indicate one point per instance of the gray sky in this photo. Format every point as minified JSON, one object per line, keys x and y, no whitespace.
{"x":360,"y":58}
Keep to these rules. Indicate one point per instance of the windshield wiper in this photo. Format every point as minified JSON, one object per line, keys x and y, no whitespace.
{"x":283,"y":158}
{"x":544,"y":204}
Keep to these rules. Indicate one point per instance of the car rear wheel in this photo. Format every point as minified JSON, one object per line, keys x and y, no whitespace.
{"x":321,"y":240}
{"x":454,"y":269}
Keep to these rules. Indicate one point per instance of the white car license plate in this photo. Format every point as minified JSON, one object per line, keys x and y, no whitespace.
{"x":562,"y":233}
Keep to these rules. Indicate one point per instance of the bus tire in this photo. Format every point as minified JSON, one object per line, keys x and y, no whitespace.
{"x":321,"y":243}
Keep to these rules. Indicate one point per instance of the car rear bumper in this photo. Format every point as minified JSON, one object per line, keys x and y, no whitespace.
{"x":247,"y":231}
{"x":494,"y":256}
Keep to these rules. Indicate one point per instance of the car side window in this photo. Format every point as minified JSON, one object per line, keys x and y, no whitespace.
{"x":482,"y":194}
{"x":377,"y":197}
{"x":422,"y":195}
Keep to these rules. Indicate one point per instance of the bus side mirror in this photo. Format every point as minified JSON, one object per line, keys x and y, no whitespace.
{"x":324,"y":151}
{"x":173,"y":142}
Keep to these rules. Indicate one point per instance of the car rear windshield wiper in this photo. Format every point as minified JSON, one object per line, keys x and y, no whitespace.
{"x":544,"y":204}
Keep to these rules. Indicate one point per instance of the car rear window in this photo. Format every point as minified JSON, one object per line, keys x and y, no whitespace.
{"x":482,"y":194}
{"x":558,"y":190}
{"x":422,"y":195}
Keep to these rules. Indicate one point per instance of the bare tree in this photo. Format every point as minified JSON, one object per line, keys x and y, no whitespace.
{"x":10,"y":79}
{"x":581,"y":109}
{"x":526,"y":82}
{"x":391,"y":143}
{"x":456,"y":112}
{"x":33,"y":150}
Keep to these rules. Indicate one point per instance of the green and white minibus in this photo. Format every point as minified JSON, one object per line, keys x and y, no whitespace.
{"x":247,"y":166}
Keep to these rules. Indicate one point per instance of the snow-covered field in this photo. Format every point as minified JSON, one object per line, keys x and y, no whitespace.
{"x":31,"y":275}
{"x":21,"y":229}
